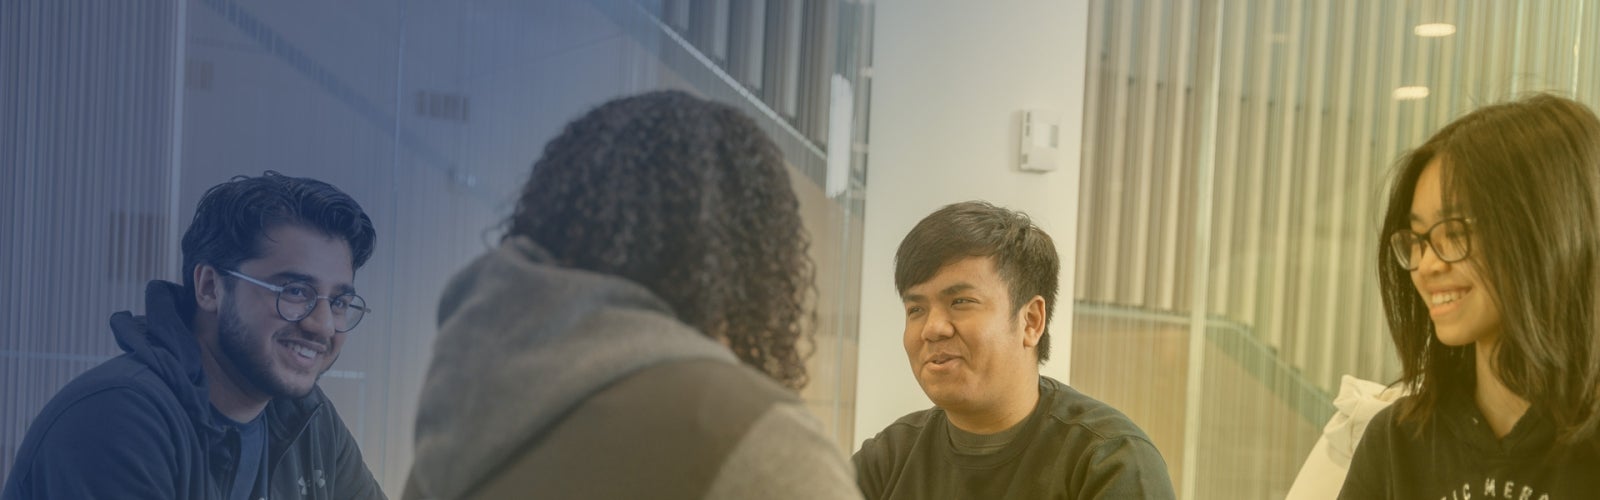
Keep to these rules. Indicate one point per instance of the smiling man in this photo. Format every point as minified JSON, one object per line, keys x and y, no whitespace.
{"x":216,"y":396}
{"x":979,"y":285}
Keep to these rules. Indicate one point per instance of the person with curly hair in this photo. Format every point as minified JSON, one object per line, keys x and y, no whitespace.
{"x":641,"y":330}
{"x":979,"y":283}
{"x":1489,"y":267}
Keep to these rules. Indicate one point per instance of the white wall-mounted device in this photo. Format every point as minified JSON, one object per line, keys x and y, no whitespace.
{"x":1041,"y":141}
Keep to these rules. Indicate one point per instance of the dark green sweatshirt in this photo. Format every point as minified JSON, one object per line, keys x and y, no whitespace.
{"x":1071,"y":446}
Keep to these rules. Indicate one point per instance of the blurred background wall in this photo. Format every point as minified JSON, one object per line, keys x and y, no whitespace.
{"x":1222,"y":164}
{"x":1236,"y":162}
{"x":116,"y":116}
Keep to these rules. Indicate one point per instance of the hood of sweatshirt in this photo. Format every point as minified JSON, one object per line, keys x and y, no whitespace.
{"x":521,"y":342}
{"x":162,"y":341}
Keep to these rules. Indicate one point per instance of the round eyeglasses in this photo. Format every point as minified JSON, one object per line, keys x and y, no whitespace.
{"x":297,"y":300}
{"x":1450,"y":240}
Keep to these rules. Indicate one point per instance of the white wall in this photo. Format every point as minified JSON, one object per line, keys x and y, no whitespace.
{"x":949,"y":81}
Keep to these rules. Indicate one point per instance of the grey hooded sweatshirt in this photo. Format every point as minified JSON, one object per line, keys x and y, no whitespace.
{"x":552,"y":382}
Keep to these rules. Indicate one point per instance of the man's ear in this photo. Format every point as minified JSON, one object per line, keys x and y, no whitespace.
{"x":1033,"y":319}
{"x":207,"y":288}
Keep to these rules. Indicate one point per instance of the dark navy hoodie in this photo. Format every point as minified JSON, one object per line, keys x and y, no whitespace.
{"x":141,"y":426}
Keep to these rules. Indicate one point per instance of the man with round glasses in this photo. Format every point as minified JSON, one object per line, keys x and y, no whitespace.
{"x":216,"y":395}
{"x":298,"y":299}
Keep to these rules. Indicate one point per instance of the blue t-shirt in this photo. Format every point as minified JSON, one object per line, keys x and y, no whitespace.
{"x":252,"y":467}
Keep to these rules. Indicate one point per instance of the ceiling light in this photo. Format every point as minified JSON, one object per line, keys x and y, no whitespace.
{"x":1434,"y":30}
{"x":1411,"y":93}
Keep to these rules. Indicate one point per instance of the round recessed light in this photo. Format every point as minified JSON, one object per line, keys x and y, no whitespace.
{"x":1434,"y":30}
{"x":1411,"y":93}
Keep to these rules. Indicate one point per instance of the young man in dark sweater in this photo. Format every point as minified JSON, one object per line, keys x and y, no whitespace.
{"x":979,"y":285}
{"x":216,"y":396}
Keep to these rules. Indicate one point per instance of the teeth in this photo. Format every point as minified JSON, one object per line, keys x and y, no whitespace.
{"x":1445,"y":298}
{"x":303,"y":351}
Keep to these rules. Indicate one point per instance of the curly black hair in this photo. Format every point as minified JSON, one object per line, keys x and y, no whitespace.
{"x":233,"y":217}
{"x":690,"y":199}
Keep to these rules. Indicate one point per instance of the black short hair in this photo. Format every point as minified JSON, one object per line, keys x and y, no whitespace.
{"x":233,"y":217}
{"x":690,"y":199}
{"x":1024,"y":255}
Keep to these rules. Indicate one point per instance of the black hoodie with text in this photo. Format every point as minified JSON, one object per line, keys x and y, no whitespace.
{"x":1459,"y":458}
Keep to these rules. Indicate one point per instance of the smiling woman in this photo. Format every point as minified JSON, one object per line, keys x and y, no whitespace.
{"x":1444,"y":277}
{"x":1235,"y":158}
{"x":1490,"y":297}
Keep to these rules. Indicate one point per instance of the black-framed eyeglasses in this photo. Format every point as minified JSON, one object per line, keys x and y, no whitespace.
{"x":298,"y":299}
{"x":1450,"y":240}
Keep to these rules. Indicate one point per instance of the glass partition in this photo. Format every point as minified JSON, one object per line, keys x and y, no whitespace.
{"x":1235,"y":160}
{"x":117,"y":116}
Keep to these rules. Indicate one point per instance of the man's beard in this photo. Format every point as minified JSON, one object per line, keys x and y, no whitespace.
{"x":252,"y":360}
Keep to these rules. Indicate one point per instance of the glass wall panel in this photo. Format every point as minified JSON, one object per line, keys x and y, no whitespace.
{"x":1235,"y":161}
{"x":117,"y":116}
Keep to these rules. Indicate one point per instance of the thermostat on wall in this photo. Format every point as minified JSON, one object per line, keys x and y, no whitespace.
{"x":1041,"y":140}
